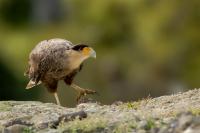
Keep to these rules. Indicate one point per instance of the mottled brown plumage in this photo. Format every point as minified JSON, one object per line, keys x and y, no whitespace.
{"x":57,"y":59}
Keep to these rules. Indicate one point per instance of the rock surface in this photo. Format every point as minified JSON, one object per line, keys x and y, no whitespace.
{"x":179,"y":113}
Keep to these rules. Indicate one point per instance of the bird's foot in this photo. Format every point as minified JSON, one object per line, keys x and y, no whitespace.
{"x":84,"y":92}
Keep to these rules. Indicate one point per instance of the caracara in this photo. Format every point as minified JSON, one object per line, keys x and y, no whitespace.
{"x":57,"y":59}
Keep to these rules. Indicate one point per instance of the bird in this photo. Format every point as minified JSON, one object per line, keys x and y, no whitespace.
{"x":58,"y":59}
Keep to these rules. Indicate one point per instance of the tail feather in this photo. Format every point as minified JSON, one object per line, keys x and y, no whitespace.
{"x":32,"y":84}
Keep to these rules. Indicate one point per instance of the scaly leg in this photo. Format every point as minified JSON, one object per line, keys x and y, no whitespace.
{"x":81,"y":91}
{"x":57,"y":99}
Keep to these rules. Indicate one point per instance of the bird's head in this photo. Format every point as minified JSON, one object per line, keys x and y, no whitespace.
{"x":84,"y":50}
{"x":78,"y":53}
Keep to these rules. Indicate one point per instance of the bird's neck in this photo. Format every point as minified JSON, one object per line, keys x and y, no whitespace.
{"x":76,"y":62}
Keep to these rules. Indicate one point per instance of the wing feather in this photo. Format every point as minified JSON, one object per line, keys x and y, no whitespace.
{"x":42,"y":57}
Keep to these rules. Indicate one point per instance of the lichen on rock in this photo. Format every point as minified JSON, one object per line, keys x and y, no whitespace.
{"x":173,"y":113}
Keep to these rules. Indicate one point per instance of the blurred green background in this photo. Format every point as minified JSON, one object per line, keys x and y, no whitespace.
{"x":144,"y":47}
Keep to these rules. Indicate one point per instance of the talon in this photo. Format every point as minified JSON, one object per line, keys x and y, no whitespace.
{"x":80,"y":94}
{"x":84,"y":93}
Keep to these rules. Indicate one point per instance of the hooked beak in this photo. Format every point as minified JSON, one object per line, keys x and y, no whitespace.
{"x":92,"y":53}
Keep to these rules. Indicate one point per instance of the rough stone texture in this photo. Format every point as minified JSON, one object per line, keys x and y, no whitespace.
{"x":167,"y":114}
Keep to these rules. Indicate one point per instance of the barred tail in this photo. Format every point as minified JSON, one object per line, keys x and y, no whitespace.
{"x":32,"y":84}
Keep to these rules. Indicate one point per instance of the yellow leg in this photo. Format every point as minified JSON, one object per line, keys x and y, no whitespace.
{"x":81,"y":91}
{"x":57,"y":99}
{"x":76,"y":87}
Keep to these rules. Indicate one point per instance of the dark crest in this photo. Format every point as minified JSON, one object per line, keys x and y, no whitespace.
{"x":79,"y":47}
